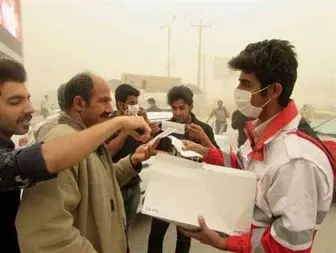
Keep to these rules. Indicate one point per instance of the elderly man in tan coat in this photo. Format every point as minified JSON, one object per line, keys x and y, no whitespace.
{"x":81,"y":211}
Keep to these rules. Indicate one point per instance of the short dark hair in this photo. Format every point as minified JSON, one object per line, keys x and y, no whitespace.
{"x":80,"y":85}
{"x":151,"y":100}
{"x":180,"y":92}
{"x":60,"y":97}
{"x":11,"y":71}
{"x":125,"y":90}
{"x":271,"y":61}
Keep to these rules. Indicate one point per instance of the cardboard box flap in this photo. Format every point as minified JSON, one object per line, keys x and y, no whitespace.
{"x":163,"y":160}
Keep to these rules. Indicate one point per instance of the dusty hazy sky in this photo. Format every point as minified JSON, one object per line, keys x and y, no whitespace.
{"x":111,"y":37}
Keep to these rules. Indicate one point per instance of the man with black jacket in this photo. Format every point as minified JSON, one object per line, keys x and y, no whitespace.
{"x":125,"y":143}
{"x":180,"y":99}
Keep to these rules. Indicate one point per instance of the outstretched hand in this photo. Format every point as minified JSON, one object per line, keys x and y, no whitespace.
{"x":144,"y":152}
{"x":206,"y":235}
{"x":198,"y":148}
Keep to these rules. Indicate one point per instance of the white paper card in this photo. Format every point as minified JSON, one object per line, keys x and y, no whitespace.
{"x":179,"y":190}
{"x":164,"y":134}
{"x":178,"y":144}
{"x":178,"y":127}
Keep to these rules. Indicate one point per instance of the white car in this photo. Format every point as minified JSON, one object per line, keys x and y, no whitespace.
{"x":326,"y":131}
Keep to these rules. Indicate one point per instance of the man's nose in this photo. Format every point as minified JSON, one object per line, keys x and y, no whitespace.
{"x":109,"y":108}
{"x":179,"y":112}
{"x":29,"y":109}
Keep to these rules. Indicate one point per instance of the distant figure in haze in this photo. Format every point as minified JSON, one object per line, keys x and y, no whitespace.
{"x":60,"y":97}
{"x":221,"y":114}
{"x":50,"y":124}
{"x":45,"y":109}
{"x":152,"y":107}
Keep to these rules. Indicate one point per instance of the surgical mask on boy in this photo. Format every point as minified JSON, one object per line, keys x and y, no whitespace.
{"x":243,"y":102}
{"x":133,"y":109}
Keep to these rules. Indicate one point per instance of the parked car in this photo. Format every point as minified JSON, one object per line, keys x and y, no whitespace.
{"x":326,"y":130}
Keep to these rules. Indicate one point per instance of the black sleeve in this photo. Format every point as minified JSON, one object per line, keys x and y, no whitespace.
{"x":238,"y":121}
{"x":165,"y":145}
{"x":234,"y":120}
{"x":211,"y":135}
{"x":22,"y":168}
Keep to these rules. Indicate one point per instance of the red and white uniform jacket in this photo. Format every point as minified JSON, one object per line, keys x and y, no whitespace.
{"x":294,"y":189}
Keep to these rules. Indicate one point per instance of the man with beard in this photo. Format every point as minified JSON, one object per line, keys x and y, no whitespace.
{"x":24,"y":167}
{"x":180,"y":98}
{"x":82,"y":209}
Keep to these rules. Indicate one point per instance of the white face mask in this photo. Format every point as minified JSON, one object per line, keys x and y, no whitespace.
{"x":243,"y":103}
{"x":133,"y":109}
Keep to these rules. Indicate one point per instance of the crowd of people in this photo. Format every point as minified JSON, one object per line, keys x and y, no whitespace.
{"x":81,"y":183}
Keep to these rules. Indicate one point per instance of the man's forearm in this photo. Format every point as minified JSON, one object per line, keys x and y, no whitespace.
{"x":115,"y":145}
{"x":66,"y":151}
{"x":206,"y":142}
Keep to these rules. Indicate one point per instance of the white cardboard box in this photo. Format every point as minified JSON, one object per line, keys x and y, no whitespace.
{"x":180,"y":190}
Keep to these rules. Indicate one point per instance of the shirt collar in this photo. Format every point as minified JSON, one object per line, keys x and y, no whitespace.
{"x":68,"y":120}
{"x":269,"y":129}
{"x":259,"y":128}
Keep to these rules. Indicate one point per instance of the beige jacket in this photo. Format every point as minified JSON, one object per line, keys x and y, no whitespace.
{"x":81,"y":211}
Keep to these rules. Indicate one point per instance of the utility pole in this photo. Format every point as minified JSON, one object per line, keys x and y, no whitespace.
{"x":204,"y":70}
{"x":200,"y":27}
{"x":168,"y":27}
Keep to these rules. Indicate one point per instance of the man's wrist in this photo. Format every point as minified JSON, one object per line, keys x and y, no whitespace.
{"x":204,"y":151}
{"x":207,"y":143}
{"x":134,"y":160}
{"x":116,"y":124}
{"x":221,"y":243}
{"x":137,"y":165}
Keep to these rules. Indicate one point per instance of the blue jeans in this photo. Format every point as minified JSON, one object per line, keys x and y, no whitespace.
{"x":131,"y":198}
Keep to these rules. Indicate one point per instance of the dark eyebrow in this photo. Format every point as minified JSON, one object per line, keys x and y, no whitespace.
{"x":244,"y":80}
{"x":104,"y":99}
